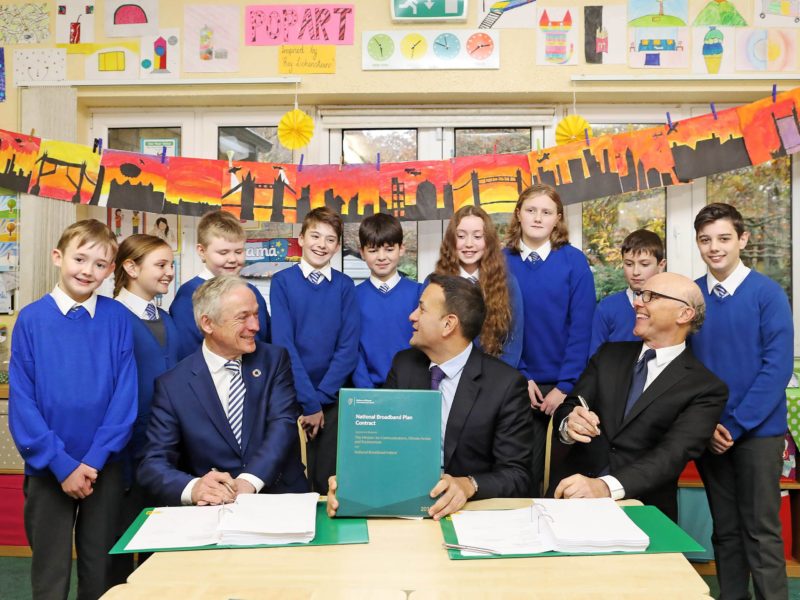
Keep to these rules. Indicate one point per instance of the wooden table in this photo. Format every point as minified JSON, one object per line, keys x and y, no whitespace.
{"x":407,"y":556}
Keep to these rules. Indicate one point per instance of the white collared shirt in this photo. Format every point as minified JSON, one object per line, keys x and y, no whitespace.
{"x":205,"y":274}
{"x":391,"y":282}
{"x":65,"y":303}
{"x":135,"y":304}
{"x":465,"y":275}
{"x":308,"y":269}
{"x":543,"y":251}
{"x":222,"y":383}
{"x":732,"y":282}
{"x":629,"y":294}
{"x":452,"y":370}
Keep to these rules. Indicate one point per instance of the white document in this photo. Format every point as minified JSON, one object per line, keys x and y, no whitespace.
{"x":575,"y":525}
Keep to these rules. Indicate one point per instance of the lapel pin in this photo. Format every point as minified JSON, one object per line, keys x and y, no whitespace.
{"x":256,"y":372}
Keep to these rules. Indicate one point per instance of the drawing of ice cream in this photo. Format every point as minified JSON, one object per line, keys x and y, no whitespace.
{"x":712,"y":49}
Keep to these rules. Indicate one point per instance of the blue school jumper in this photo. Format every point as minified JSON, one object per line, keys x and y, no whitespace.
{"x":614,"y":320}
{"x":189,"y":336}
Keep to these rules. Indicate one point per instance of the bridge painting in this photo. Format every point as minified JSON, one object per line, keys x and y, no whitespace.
{"x":18,"y":155}
{"x":66,"y":171}
{"x":493,"y":181}
{"x":260,"y":191}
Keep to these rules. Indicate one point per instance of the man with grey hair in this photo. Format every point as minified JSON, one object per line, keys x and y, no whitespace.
{"x":224,"y":420}
{"x":641,"y":410}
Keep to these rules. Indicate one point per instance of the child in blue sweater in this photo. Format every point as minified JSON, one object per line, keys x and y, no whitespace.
{"x":559,"y":300}
{"x":642,"y":257}
{"x":144,"y":269}
{"x":220,"y":244}
{"x":385,"y":300}
{"x":315,"y":317}
{"x":747,"y":341}
{"x":72,"y":405}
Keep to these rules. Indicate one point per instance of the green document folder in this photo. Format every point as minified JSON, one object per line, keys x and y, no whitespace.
{"x":388,"y":452}
{"x":329,"y":532}
{"x":665,"y":536}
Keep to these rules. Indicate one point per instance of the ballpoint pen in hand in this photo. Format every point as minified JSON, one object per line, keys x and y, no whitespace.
{"x":585,"y":405}
{"x":225,"y":483}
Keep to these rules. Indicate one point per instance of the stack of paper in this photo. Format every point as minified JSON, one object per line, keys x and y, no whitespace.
{"x":574,"y":526}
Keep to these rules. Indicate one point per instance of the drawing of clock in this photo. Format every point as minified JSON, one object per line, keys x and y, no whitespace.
{"x":446,"y":46}
{"x":413,"y":46}
{"x":480,"y":46}
{"x":380,"y":47}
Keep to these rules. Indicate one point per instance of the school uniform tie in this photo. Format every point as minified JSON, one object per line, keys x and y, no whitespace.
{"x":472,"y":279}
{"x":150,"y":312}
{"x":236,"y":399}
{"x":534,"y":258}
{"x":638,"y":380}
{"x":436,"y":377}
{"x":76,"y":311}
{"x":315,"y":277}
{"x":719,"y":291}
{"x":384,"y":288}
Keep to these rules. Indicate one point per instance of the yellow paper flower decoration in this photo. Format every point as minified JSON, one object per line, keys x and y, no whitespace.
{"x":295,"y":129}
{"x":572,"y":129}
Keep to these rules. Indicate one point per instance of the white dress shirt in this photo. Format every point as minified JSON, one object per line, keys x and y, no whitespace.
{"x":308,"y":269}
{"x":732,"y":282}
{"x":391,"y":282}
{"x":452,"y":370}
{"x":205,"y":274}
{"x":543,"y":251}
{"x":465,"y":275}
{"x":135,"y":304}
{"x":65,"y":303}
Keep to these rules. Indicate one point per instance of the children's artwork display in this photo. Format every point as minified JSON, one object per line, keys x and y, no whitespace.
{"x":260,"y":191}
{"x":75,"y":21}
{"x":770,"y":126}
{"x":126,"y":222}
{"x":113,"y":61}
{"x":166,"y":227}
{"x":353,"y":192}
{"x":27,"y":23}
{"x":42,"y":64}
{"x":131,"y":18}
{"x":713,"y":50}
{"x":66,"y":171}
{"x":18,"y":154}
{"x":161,"y":55}
{"x":417,"y":191}
{"x":9,"y":221}
{"x":719,"y":13}
{"x":659,"y":36}
{"x":605,"y":35}
{"x":194,"y":186}
{"x":776,"y":13}
{"x":507,"y":14}
{"x":211,"y":35}
{"x":557,"y":37}
{"x":493,"y":181}
{"x":2,"y":74}
{"x":643,"y":159}
{"x":766,"y":49}
{"x":299,"y":24}
{"x":131,"y":180}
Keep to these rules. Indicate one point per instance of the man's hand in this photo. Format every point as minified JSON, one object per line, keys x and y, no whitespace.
{"x":552,"y":401}
{"x":535,"y":394}
{"x":214,"y":488}
{"x":453,"y":494}
{"x":578,"y":486}
{"x":78,"y":484}
{"x":242,"y":486}
{"x":312,"y":424}
{"x":721,"y":441}
{"x":333,"y":503}
{"x":582,"y":425}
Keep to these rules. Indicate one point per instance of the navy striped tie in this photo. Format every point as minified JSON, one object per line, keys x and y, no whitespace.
{"x":151,"y":312}
{"x":236,"y":399}
{"x":384,"y":289}
{"x":719,"y":291}
{"x":533,"y":258}
{"x":315,"y":277}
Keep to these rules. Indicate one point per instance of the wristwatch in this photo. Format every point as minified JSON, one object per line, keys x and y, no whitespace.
{"x":562,"y":432}
{"x":473,"y":482}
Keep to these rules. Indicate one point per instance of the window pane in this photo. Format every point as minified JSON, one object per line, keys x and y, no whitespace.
{"x":253,"y":144}
{"x":607,"y":221}
{"x":474,"y":142}
{"x":130,"y":139}
{"x":361,"y":146}
{"x":763,"y":195}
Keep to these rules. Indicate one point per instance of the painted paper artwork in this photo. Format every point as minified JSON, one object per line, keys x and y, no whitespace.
{"x":263,"y":257}
{"x":659,"y":47}
{"x":9,"y":248}
{"x":2,"y":74}
{"x":713,"y":50}
{"x":605,"y":35}
{"x":557,"y":37}
{"x":766,"y":49}
{"x":776,"y":13}
{"x":658,"y":13}
{"x":579,"y":170}
{"x":66,"y":171}
{"x":507,"y":14}
{"x":113,"y":61}
{"x":132,"y":180}
{"x":493,"y":181}
{"x":161,"y":55}
{"x":126,"y":222}
{"x":74,"y":21}
{"x":707,"y":144}
{"x":299,"y":24}
{"x":771,"y":128}
{"x":194,"y":186}
{"x":417,"y":190}
{"x":166,"y":227}
{"x":24,"y":23}
{"x":131,"y":18}
{"x":644,"y":160}
{"x":720,"y":13}
{"x":211,"y":38}
{"x":18,"y":154}
{"x":260,"y":191}
{"x":351,"y":192}
{"x":43,"y":64}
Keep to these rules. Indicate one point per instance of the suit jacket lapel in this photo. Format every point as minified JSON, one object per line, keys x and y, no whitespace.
{"x":254,"y":379}
{"x":622,"y":385}
{"x":466,"y":394}
{"x":203,"y":387}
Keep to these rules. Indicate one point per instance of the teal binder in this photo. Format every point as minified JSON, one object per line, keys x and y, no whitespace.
{"x":388,"y":452}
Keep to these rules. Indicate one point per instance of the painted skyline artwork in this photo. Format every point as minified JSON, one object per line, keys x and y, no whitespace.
{"x":18,"y":154}
{"x":66,"y":171}
{"x":417,"y":190}
{"x":133,"y":181}
{"x":194,"y":185}
{"x":260,"y":191}
{"x":493,"y":181}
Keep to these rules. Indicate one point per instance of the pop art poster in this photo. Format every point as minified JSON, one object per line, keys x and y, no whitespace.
{"x":349,"y":190}
{"x":161,"y":55}
{"x":605,"y":35}
{"x":766,"y":49}
{"x":18,"y":154}
{"x":66,"y":171}
{"x":492,"y":181}
{"x":644,"y":160}
{"x":75,"y":21}
{"x":260,"y":191}
{"x":194,"y":186}
{"x":713,"y":50}
{"x":579,"y":170}
{"x":132,"y":180}
{"x":770,"y":127}
{"x":557,"y":37}
{"x":500,"y":14}
{"x":419,"y":190}
{"x":131,"y":18}
{"x":299,"y":24}
{"x":211,"y":36}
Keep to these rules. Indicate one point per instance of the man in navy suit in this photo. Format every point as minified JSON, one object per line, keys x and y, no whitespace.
{"x":224,"y":420}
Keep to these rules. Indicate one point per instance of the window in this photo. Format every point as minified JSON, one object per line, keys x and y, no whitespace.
{"x":253,"y":144}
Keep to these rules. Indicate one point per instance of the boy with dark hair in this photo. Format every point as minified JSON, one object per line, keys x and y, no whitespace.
{"x":642,"y":257}
{"x":72,"y":405}
{"x":747,"y":341}
{"x":385,"y":300}
{"x":315,"y":317}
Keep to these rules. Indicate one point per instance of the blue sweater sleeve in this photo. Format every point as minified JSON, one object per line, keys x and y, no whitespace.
{"x":512,"y":350}
{"x":777,"y":335}
{"x":582,"y":301}
{"x":345,"y":356}
{"x":264,"y":325}
{"x":182,"y":313}
{"x":361,"y":378}
{"x":601,"y":330}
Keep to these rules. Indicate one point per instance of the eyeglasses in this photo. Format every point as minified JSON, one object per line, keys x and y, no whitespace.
{"x":648,"y":295}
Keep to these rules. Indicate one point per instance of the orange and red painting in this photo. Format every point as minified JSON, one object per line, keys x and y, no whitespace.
{"x":493,"y":181}
{"x":66,"y":171}
{"x":17,"y":157}
{"x":417,"y":190}
{"x":644,"y":160}
{"x":349,"y":190}
{"x":260,"y":191}
{"x":770,"y":128}
{"x":194,"y":185}
{"x":133,"y":181}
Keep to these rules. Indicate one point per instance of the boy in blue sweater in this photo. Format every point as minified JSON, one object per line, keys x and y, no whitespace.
{"x":385,"y":300}
{"x":72,"y":405}
{"x":747,"y":341}
{"x":315,"y":317}
{"x":642,"y":257}
{"x":220,"y":244}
